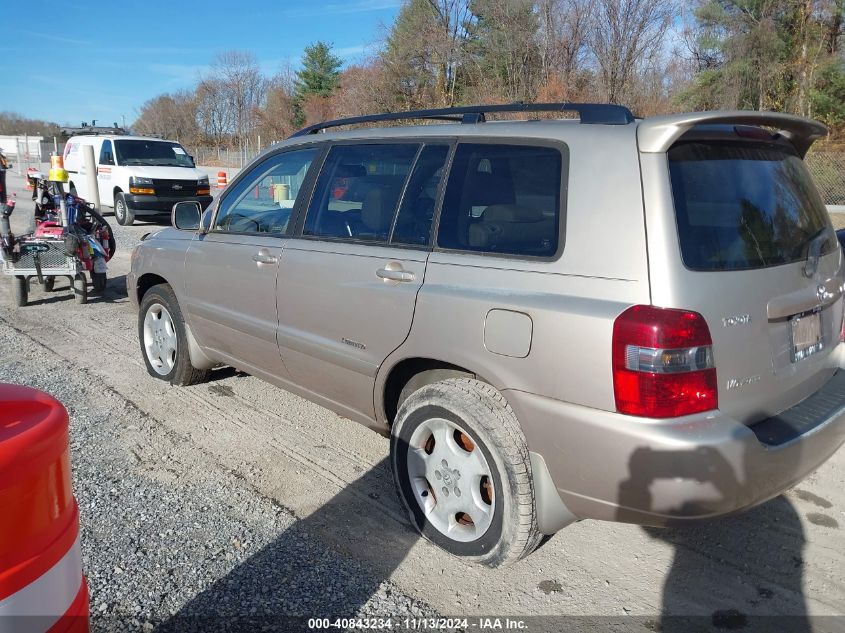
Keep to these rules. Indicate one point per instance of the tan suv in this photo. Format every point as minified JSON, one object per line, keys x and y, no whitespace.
{"x":600,"y":317}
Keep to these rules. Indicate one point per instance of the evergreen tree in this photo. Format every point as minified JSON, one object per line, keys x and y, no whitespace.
{"x":319,"y":76}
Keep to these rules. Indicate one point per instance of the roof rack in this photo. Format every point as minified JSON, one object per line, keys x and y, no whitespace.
{"x":91,"y":130}
{"x":589,"y":113}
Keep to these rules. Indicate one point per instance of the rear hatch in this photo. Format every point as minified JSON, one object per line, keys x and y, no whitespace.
{"x":755,"y":253}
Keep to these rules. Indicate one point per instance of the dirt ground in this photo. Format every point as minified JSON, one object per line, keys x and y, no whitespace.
{"x":786,"y":557}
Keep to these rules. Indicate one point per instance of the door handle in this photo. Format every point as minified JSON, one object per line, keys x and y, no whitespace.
{"x":389,"y":273}
{"x":262,"y":257}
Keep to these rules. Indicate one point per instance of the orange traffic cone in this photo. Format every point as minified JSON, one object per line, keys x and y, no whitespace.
{"x":221,"y":180}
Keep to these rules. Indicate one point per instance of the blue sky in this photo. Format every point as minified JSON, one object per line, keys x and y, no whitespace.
{"x":85,"y":59}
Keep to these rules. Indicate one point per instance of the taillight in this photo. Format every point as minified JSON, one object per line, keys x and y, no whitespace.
{"x":663,"y":363}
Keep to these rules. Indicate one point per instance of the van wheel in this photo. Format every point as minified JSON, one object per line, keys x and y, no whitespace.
{"x":461,"y":466}
{"x":164,"y":343}
{"x":122,"y":213}
{"x":80,"y":288}
{"x":20,"y":291}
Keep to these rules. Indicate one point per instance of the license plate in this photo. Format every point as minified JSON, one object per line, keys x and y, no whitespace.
{"x":806,"y":334}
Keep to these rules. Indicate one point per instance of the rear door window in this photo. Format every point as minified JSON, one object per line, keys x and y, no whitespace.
{"x":413,"y":224}
{"x":743,"y":206}
{"x":503,"y":199}
{"x":358,"y":191}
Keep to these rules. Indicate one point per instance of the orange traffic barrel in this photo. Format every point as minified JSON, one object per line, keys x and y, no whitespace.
{"x":221,"y":180}
{"x":42,"y":587}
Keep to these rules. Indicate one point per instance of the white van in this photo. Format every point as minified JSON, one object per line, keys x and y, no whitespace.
{"x":136,"y":175}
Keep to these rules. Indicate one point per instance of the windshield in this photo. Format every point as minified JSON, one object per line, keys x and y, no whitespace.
{"x":744,"y":206}
{"x":152,"y":153}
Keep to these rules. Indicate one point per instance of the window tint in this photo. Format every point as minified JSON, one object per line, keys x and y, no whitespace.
{"x":742,"y":205}
{"x":358,"y":191}
{"x":263,"y":201}
{"x":413,"y":224}
{"x":502,"y":199}
{"x":106,"y":156}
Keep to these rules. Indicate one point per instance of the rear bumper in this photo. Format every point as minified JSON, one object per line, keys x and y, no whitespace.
{"x":154,"y":205}
{"x":653,"y":472}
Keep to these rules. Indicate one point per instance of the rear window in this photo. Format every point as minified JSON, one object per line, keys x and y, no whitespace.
{"x":742,"y":206}
{"x":503,"y":199}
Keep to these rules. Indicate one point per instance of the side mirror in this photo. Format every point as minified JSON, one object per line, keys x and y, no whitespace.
{"x":186,"y":215}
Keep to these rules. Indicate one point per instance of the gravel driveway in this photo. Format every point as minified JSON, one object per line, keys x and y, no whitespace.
{"x":237,"y":498}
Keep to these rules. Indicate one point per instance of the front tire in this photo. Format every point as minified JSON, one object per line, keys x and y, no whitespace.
{"x":80,"y":288}
{"x":461,"y":466}
{"x":20,"y":291}
{"x":49,"y":283}
{"x":122,"y":213}
{"x":163,"y":338}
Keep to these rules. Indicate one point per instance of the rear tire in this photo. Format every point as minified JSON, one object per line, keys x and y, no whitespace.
{"x":122,"y":213}
{"x":164,"y":339}
{"x":80,"y":288}
{"x":20,"y":291}
{"x":49,"y":283}
{"x":461,"y":466}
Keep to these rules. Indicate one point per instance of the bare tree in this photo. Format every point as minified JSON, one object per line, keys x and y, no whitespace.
{"x":237,"y":75}
{"x":627,"y":36}
{"x":214,"y":112}
{"x":13,"y":123}
{"x":564,"y":30}
{"x":275,"y":121}
{"x":505,"y":49}
{"x":449,"y":36}
{"x":364,"y":89}
{"x":172,"y":116}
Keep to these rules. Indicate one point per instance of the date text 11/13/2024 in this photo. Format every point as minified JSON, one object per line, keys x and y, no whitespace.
{"x":419,"y":624}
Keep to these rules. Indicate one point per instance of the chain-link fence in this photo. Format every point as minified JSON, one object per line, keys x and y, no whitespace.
{"x":828,"y":170}
{"x":218,"y":157}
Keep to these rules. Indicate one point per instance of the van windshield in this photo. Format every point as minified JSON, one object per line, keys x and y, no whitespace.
{"x":743,"y":206}
{"x":152,"y":153}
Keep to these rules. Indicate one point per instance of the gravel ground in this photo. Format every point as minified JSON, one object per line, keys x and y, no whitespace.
{"x":165,"y":532}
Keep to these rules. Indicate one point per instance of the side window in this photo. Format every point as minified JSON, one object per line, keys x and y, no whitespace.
{"x":358,"y":191}
{"x":502,"y":199}
{"x":413,"y":224}
{"x":106,"y":155}
{"x":263,"y":201}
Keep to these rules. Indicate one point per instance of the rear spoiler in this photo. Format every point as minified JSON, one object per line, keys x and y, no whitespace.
{"x":657,"y":134}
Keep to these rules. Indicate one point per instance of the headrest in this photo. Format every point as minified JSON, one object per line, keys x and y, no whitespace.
{"x":377,"y":209}
{"x":483,"y":189}
{"x":511,"y":213}
{"x":350,"y":171}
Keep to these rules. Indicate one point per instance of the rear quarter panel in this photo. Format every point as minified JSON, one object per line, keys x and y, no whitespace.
{"x":572,"y":301}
